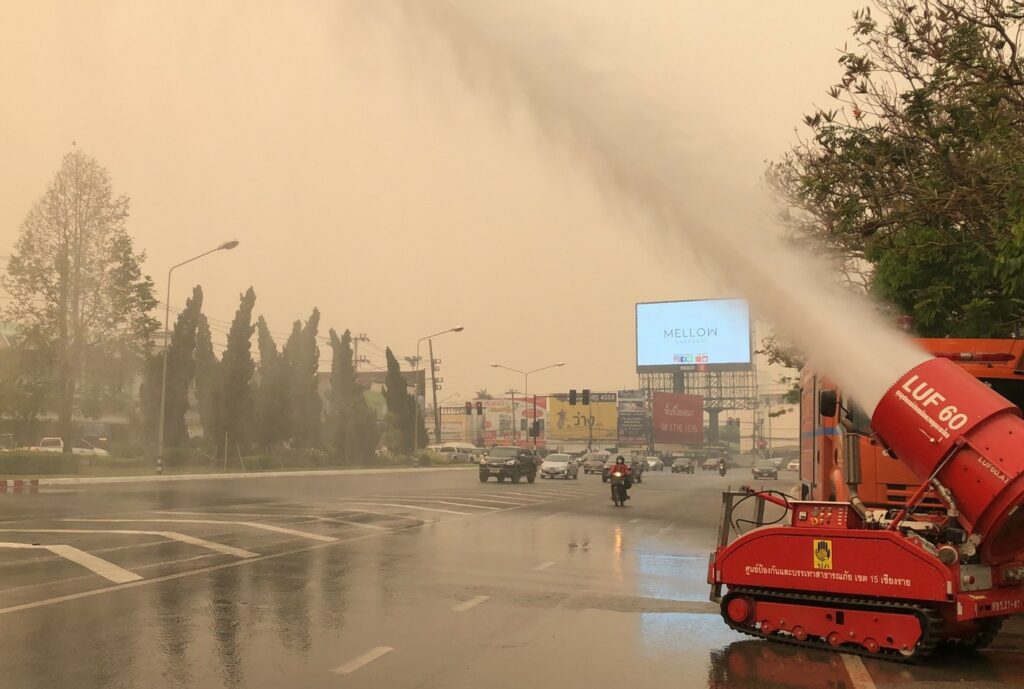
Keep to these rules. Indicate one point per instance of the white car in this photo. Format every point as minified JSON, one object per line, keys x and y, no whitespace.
{"x":560,"y":466}
{"x":794,"y":465}
{"x":78,"y":447}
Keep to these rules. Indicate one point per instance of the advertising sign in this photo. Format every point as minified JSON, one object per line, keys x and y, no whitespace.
{"x":703,"y":335}
{"x":498,"y":426}
{"x":678,"y":418}
{"x":632,"y":415}
{"x":581,"y":423}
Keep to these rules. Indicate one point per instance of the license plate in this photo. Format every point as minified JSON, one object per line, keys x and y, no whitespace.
{"x":495,"y":471}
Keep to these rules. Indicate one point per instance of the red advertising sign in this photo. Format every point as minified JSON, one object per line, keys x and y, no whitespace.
{"x":678,"y":418}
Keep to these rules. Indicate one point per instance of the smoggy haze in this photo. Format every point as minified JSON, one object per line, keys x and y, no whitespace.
{"x":385,"y":193}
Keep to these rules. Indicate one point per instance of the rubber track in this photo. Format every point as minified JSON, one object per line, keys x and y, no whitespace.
{"x":928,"y":616}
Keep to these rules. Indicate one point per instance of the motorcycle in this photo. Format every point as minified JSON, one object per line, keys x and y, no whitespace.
{"x":619,"y":495}
{"x":721,"y":469}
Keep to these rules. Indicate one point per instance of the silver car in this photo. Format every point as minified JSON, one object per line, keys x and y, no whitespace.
{"x":560,"y":466}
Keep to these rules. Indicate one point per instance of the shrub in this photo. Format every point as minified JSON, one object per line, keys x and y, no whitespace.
{"x":37,"y":463}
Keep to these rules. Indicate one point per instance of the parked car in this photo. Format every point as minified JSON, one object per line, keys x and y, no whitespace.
{"x":682,"y":465}
{"x":458,"y":454}
{"x":512,"y":463}
{"x":78,"y":447}
{"x":593,"y":462}
{"x":710,"y":464}
{"x":765,"y":468}
{"x":559,"y":466}
{"x":654,"y":464}
{"x":794,"y":465}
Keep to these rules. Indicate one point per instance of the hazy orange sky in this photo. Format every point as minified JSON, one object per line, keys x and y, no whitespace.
{"x":392,"y":197}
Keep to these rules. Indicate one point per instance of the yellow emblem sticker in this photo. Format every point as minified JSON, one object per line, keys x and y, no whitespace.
{"x":822,"y":554}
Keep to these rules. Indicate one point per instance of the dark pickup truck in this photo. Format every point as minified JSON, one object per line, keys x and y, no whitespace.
{"x":513,"y":463}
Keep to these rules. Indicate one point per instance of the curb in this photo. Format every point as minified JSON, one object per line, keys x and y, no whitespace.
{"x":87,"y":480}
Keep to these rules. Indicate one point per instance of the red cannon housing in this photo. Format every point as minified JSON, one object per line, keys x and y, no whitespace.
{"x":886,"y":582}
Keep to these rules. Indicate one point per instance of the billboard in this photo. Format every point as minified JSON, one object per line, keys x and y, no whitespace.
{"x":701,"y":335}
{"x":632,"y":415}
{"x":497,"y":426}
{"x":678,"y":418}
{"x":577,"y":422}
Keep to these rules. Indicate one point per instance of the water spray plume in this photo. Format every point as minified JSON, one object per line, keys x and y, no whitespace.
{"x":629,"y":147}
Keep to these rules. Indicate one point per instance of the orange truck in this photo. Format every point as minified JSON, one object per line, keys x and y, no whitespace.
{"x":839,"y":459}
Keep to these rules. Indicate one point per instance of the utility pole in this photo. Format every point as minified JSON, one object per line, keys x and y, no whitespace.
{"x":356,"y":339}
{"x":433,"y":385}
{"x":515,"y":428}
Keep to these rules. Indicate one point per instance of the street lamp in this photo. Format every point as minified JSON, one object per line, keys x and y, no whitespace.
{"x":526,"y":389}
{"x":226,"y":246}
{"x":415,"y":381}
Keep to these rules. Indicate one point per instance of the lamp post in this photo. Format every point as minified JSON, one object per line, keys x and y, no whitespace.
{"x":526,"y":389}
{"x":415,"y":380}
{"x":226,"y":246}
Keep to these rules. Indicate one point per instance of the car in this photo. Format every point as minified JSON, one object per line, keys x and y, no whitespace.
{"x":559,"y":466}
{"x":78,"y":447}
{"x":710,"y":464}
{"x":654,"y":464}
{"x":794,"y":465}
{"x":457,"y":454}
{"x":593,"y":462}
{"x":512,"y":463}
{"x":682,"y":465}
{"x":765,"y":468}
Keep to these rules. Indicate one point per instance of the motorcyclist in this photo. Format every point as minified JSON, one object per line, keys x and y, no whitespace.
{"x":627,"y":474}
{"x":722,"y":466}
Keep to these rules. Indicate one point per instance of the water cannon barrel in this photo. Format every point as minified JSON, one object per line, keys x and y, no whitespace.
{"x":942,"y":422}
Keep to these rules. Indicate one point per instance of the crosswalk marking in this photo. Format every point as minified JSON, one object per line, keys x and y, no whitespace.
{"x":252,"y":525}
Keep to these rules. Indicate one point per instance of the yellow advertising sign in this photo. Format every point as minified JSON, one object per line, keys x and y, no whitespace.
{"x":575,"y":422}
{"x":822,"y":554}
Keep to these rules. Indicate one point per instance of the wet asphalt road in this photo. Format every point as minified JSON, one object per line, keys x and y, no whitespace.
{"x":400,"y":580}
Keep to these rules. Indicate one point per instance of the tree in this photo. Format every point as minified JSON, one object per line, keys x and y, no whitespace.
{"x":401,"y":409}
{"x":271,"y":394}
{"x":482,"y":394}
{"x":915,"y":182}
{"x":180,"y":371}
{"x":236,"y":369}
{"x":207,"y":379}
{"x":353,"y":424}
{"x":75,"y":280}
{"x":302,"y":354}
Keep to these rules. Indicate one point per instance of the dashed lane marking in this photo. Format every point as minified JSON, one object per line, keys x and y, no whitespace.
{"x":107,"y":570}
{"x":407,"y":507}
{"x":365,"y":659}
{"x":544,"y":565}
{"x":471,"y":603}
{"x":253,"y":525}
{"x":858,"y":673}
{"x":172,"y":535}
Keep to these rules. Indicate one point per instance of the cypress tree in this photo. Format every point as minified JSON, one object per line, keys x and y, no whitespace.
{"x":236,"y":369}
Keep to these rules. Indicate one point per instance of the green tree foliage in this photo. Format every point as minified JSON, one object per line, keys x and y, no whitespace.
{"x":302,"y":354}
{"x":76,"y":285}
{"x":271,"y":393}
{"x":207,"y":378}
{"x":236,"y":370}
{"x":482,"y":394}
{"x":914,"y":182}
{"x":25,"y":382}
{"x":353,"y":425}
{"x":180,"y":370}
{"x":401,"y":409}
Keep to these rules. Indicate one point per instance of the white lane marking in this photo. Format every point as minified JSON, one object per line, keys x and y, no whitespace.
{"x":172,"y":535}
{"x":859,"y":675}
{"x":544,"y":565}
{"x":471,"y":603}
{"x":365,"y":659}
{"x":407,"y":507}
{"x":513,"y":501}
{"x":445,"y":502}
{"x":252,"y":525}
{"x":634,"y":521}
{"x":262,"y":515}
{"x":107,"y":570}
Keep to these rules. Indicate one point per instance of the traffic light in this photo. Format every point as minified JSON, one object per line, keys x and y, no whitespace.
{"x":469,"y":408}
{"x":479,"y":408}
{"x":535,"y":430}
{"x":586,"y":396}
{"x":572,"y":396}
